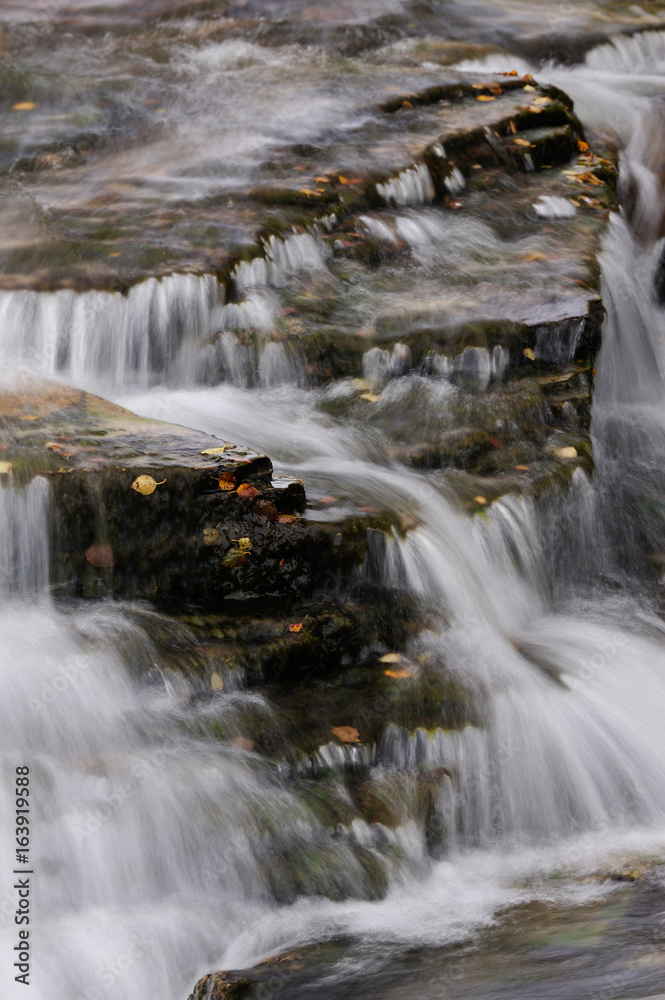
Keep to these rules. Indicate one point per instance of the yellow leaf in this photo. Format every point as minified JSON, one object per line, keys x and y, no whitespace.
{"x":568,"y":452}
{"x":522,"y":468}
{"x":542,"y":100}
{"x":24,"y":106}
{"x":398,"y":675}
{"x":391,"y":658}
{"x":214,"y":451}
{"x":536,"y":255}
{"x":528,"y":87}
{"x":145,"y":485}
{"x":523,"y":142}
{"x":370,"y":397}
{"x":346,"y":734}
{"x":322,"y":180}
{"x":582,"y":146}
{"x":528,"y":353}
{"x":481,"y":500}
{"x":485,"y":97}
{"x":216,"y":682}
{"x":244,"y":544}
{"x":308,"y":191}
{"x":5,"y":467}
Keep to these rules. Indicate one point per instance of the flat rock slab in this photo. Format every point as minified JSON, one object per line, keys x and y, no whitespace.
{"x":139,"y":511}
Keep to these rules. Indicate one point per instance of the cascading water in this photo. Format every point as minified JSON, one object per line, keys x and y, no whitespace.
{"x":158,"y":857}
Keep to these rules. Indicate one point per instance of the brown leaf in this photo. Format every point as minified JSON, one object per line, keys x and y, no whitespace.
{"x":266,"y":509}
{"x":346,"y":734}
{"x":100,"y":554}
{"x":285,"y":519}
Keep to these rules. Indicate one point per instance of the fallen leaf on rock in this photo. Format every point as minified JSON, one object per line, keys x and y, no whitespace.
{"x":247,"y":492}
{"x":145,"y":485}
{"x":542,"y":100}
{"x":536,"y":255}
{"x":244,"y":544}
{"x":484,"y":97}
{"x":233,"y":558}
{"x":495,"y":442}
{"x":523,"y":468}
{"x":582,"y":146}
{"x":210,"y":536}
{"x":364,"y":509}
{"x":588,"y":178}
{"x":296,"y":627}
{"x":568,"y":452}
{"x":481,"y":500}
{"x":391,"y":658}
{"x":215,"y":451}
{"x":327,"y":500}
{"x":286,"y":519}
{"x":100,"y":554}
{"x":398,"y":675}
{"x":528,"y":87}
{"x":6,"y":467}
{"x":322,"y":180}
{"x":528,"y":353}
{"x":266,"y":509}
{"x":523,"y":142}
{"x":370,"y":397}
{"x":243,"y":743}
{"x":216,"y":682}
{"x":61,"y":449}
{"x":346,"y":734}
{"x":350,"y":180}
{"x":24,"y":106}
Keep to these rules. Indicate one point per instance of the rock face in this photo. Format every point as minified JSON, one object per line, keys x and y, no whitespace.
{"x":209,"y":521}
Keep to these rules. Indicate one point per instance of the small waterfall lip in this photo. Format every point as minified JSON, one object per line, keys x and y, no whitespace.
{"x":413,"y":186}
{"x":25,"y":530}
{"x":100,"y":336}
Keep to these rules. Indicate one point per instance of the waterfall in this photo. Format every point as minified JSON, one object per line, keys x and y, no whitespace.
{"x":24,"y":538}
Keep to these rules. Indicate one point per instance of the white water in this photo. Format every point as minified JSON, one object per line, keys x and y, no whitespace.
{"x":151,"y":853}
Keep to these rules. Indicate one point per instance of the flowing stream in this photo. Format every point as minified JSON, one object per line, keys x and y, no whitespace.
{"x":156,"y":851}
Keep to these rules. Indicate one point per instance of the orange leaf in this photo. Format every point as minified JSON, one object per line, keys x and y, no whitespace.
{"x":523,"y":142}
{"x":322,"y":180}
{"x":247,"y":492}
{"x":582,"y":146}
{"x":398,"y":675}
{"x":536,"y":255}
{"x":24,"y":106}
{"x":346,"y":734}
{"x":407,"y":104}
{"x":484,"y":97}
{"x":296,"y":627}
{"x":286,"y":519}
{"x":523,"y":468}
